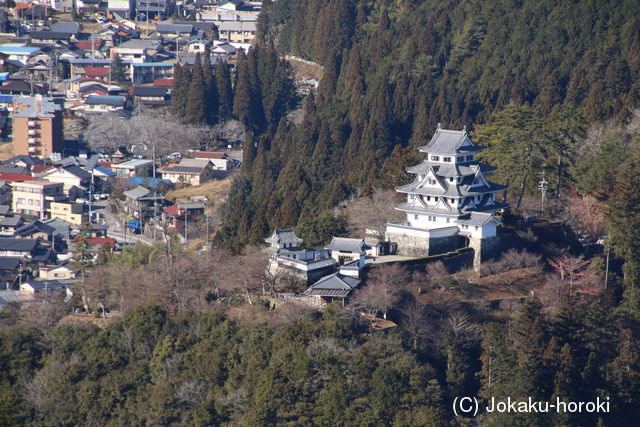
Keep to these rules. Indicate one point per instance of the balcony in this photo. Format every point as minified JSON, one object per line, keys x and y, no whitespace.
{"x":33,"y":140}
{"x":33,"y":132}
{"x":32,"y":123}
{"x":34,"y":150}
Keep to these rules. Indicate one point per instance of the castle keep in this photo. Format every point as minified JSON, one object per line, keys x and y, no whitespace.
{"x":451,"y":203}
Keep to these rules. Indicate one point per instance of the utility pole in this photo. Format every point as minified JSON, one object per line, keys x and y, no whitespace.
{"x":606,"y":270}
{"x":186,"y":235}
{"x":543,"y":185}
{"x":206,"y":217}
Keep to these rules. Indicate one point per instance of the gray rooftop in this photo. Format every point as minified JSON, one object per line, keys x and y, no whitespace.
{"x":34,"y":106}
{"x":139,"y":44}
{"x":191,"y":205}
{"x":284,"y":235}
{"x":21,"y":245}
{"x":66,"y":27}
{"x":334,"y":285}
{"x":451,"y":142}
{"x":448,"y":170}
{"x":478,"y":218}
{"x":344,"y":244}
{"x":113,"y":100}
{"x":60,"y":227}
{"x":137,"y":192}
{"x":174,"y":28}
{"x":11,"y":221}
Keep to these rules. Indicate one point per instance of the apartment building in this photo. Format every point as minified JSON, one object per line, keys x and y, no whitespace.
{"x":71,"y":213}
{"x":35,"y":197}
{"x":37,"y":127}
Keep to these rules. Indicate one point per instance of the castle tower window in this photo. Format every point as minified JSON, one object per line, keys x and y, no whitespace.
{"x":435,"y":158}
{"x":446,"y":159}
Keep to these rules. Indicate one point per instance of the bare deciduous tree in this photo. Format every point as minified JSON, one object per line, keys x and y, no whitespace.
{"x":373,"y":213}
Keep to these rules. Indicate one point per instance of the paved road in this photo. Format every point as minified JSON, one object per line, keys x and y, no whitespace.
{"x":115,"y":223}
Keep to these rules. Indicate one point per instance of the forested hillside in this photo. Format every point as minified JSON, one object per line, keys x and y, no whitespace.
{"x":394,"y":69}
{"x":250,"y":366}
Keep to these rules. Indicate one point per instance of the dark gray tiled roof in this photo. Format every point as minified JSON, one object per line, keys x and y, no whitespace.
{"x":448,"y":170}
{"x":336,"y":284}
{"x":344,"y":244}
{"x":284,"y":235}
{"x":18,"y":244}
{"x":11,"y":221}
{"x":446,"y":141}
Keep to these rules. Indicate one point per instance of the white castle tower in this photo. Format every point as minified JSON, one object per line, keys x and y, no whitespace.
{"x":451,"y":203}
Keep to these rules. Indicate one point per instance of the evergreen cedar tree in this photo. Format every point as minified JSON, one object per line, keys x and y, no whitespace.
{"x":118,"y":71}
{"x":392,"y":72}
{"x":205,"y":368}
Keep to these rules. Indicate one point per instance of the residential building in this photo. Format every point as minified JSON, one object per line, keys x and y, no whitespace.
{"x":137,"y":51}
{"x":237,"y":31}
{"x":180,"y":213}
{"x":46,"y":286}
{"x":95,"y":103}
{"x":194,"y":174}
{"x":34,"y":197}
{"x":21,"y":248}
{"x":286,"y":258}
{"x":71,"y":176}
{"x":151,"y":96}
{"x":57,"y":272}
{"x":143,"y":203}
{"x":71,"y":213}
{"x":18,"y":54}
{"x":136,"y":167}
{"x":37,"y":127}
{"x":219,"y":160}
{"x":450,"y":201}
{"x":35,"y":230}
{"x":9,"y":224}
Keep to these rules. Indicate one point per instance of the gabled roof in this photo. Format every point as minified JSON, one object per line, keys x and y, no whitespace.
{"x":163,"y":83}
{"x":9,"y":263}
{"x":208,"y":155}
{"x":14,"y":177}
{"x":66,"y":27}
{"x":49,"y":35}
{"x":195,"y":162}
{"x":113,"y":100}
{"x":5,"y":209}
{"x":174,"y":28}
{"x":183,"y":169}
{"x":478,"y":219}
{"x":284,"y":235}
{"x":131,"y":164}
{"x":149,"y":91}
{"x":47,"y":285}
{"x":12,"y":169}
{"x":445,"y":141}
{"x":60,"y":227}
{"x":34,"y":227}
{"x":86,"y":44}
{"x":334,"y":285}
{"x":137,"y":192}
{"x":74,"y":170}
{"x":22,"y":245}
{"x":28,"y":160}
{"x":344,"y":244}
{"x":11,"y":221}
